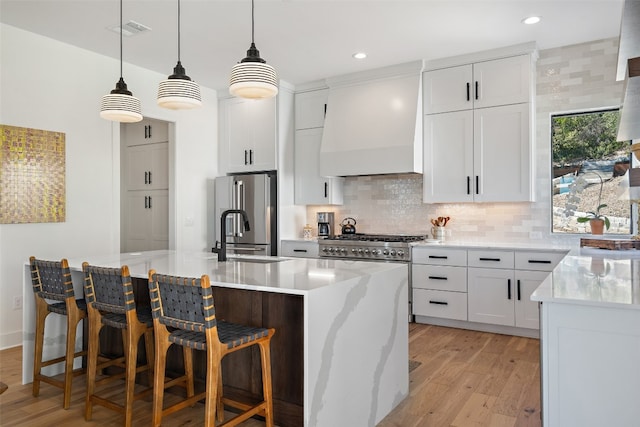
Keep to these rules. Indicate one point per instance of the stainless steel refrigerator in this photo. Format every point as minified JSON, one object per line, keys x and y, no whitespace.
{"x":257,"y":195}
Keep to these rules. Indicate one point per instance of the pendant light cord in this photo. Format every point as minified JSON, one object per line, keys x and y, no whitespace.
{"x":120,"y":39}
{"x":178,"y":30}
{"x":252,"y":22}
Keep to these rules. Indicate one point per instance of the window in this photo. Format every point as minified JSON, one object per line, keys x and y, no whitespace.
{"x":589,"y":170}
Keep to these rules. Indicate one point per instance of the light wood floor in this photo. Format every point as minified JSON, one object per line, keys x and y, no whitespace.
{"x":465,"y":378}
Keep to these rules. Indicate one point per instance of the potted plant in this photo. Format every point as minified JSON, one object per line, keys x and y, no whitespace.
{"x":597,"y":221}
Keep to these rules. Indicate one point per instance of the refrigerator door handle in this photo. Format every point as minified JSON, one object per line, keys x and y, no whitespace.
{"x":239,"y":204}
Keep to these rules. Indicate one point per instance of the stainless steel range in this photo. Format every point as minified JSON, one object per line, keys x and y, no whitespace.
{"x":371,"y":247}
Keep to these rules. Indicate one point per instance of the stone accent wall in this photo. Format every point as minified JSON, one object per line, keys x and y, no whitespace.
{"x":569,"y":78}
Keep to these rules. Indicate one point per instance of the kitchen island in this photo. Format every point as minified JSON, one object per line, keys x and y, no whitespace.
{"x":343,"y":323}
{"x":590,"y":339}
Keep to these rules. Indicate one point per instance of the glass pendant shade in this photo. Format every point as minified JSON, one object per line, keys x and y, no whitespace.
{"x":252,"y":77}
{"x":178,"y":91}
{"x":120,"y":105}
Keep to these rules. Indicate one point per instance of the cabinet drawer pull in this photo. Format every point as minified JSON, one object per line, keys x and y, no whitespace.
{"x":477,"y":91}
{"x":326,"y":190}
{"x":246,"y":162}
{"x":518,"y":283}
{"x":438,"y":257}
{"x":477,"y":185}
{"x":539,"y":261}
{"x":149,"y":202}
{"x":300,"y":250}
{"x":489,"y":259}
{"x":325,"y":110}
{"x":438,"y":302}
{"x":437,"y":278}
{"x":149,"y":136}
{"x":146,"y":177}
{"x":468,"y":185}
{"x":508,"y":288}
{"x":468,"y":91}
{"x":149,"y":177}
{"x":250,"y":157}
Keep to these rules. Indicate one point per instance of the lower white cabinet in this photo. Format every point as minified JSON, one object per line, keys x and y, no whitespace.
{"x":527,"y":311}
{"x":491,"y":296}
{"x":299,"y":248}
{"x":443,"y":304}
{"x":146,"y":220}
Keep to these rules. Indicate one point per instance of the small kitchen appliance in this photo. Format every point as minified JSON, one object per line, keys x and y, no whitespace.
{"x":325,"y":224}
{"x":348,"y":226}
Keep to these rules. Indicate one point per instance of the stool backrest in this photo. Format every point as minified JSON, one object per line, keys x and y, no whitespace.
{"x":108,"y":289}
{"x":51,"y":279}
{"x":182,"y":302}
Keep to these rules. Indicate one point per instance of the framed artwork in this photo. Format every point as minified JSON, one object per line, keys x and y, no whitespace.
{"x":32,"y":175}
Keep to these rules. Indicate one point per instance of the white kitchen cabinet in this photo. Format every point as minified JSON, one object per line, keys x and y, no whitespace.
{"x":147,"y":166}
{"x":311,"y":109}
{"x":248,"y":135}
{"x":483,"y":84}
{"x":491,"y":296}
{"x":527,"y":311}
{"x":299,"y":248}
{"x":482,"y":155}
{"x":147,"y":131}
{"x":146,"y":221}
{"x":310,"y":187}
{"x":439,"y":282}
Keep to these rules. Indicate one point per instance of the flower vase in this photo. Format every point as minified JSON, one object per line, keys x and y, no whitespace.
{"x":597,"y":226}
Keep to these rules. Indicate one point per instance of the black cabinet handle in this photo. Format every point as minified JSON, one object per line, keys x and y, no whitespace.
{"x":519,"y":292}
{"x":489,"y":259}
{"x":326,"y":190}
{"x":146,"y":202}
{"x":477,"y":185}
{"x":438,"y":302}
{"x":146,"y":134}
{"x":468,"y":90}
{"x":149,"y":137}
{"x":146,"y":177}
{"x":149,"y":177}
{"x":477,"y":94}
{"x":300,"y":250}
{"x":149,"y":202}
{"x":509,"y":288}
{"x":325,"y":110}
{"x":438,"y":257}
{"x":437,"y":278}
{"x":539,"y":261}
{"x":245,"y":158}
{"x":468,"y":185}
{"x":250,"y":157}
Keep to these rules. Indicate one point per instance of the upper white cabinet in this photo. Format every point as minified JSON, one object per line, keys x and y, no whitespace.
{"x":311,"y":108}
{"x":248,"y":135}
{"x":311,"y":188}
{"x":483,"y":84}
{"x":147,"y":131}
{"x":477,"y":132}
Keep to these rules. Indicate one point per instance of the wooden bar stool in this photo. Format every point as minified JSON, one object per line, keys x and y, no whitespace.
{"x":51,"y":281}
{"x":184,"y":314}
{"x":110,"y":302}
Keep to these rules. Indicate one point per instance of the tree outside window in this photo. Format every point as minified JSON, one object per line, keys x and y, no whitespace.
{"x":589,"y":167}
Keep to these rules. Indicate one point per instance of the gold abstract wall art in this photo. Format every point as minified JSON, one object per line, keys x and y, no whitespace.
{"x":32,"y":175}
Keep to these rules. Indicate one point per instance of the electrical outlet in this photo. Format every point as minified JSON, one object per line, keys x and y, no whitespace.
{"x":17,"y":302}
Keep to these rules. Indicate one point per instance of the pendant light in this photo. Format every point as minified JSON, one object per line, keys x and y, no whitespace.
{"x":252,"y":77}
{"x":179,"y":91}
{"x":120,"y":105}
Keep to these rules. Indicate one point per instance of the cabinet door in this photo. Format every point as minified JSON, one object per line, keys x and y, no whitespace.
{"x":310,"y":109}
{"x":147,"y":166}
{"x":159,"y":220}
{"x":526,"y":311}
{"x":448,"y":89}
{"x":234,"y":130}
{"x":502,"y":81}
{"x":310,"y":187}
{"x":502,"y":154}
{"x":146,"y":221}
{"x":147,"y":131}
{"x":262,"y":125}
{"x":491,"y":296}
{"x":448,"y":157}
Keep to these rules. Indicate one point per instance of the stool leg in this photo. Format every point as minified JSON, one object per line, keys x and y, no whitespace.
{"x":210,"y":403}
{"x":42,"y":312}
{"x":161,"y":347}
{"x":188,"y":369}
{"x":265,"y":356}
{"x":148,"y":345}
{"x":95,"y":325}
{"x":72,"y":325}
{"x":219,"y":404}
{"x":131,"y":339}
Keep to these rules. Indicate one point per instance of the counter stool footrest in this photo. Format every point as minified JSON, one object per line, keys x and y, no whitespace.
{"x":183,"y":404}
{"x":250,"y":412}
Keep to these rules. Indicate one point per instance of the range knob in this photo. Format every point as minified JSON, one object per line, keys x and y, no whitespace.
{"x":385,"y":252}
{"x":353,"y":251}
{"x":376,"y":252}
{"x":331,"y":249}
{"x":400,"y":252}
{"x":343,"y":251}
{"x":392,"y":252}
{"x":366,"y":251}
{"x":324,"y":249}
{"x":360,"y":251}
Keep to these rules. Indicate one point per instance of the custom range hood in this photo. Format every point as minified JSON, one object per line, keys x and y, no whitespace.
{"x":373,"y":123}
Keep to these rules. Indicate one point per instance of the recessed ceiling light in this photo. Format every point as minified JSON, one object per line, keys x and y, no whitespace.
{"x":359,"y":55}
{"x":531,"y":20}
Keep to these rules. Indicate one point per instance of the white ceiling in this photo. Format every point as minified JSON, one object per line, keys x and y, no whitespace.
{"x":307,"y":40}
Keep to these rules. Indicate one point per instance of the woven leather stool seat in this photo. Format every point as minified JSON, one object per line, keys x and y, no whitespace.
{"x":110,"y":302}
{"x":53,"y":290}
{"x":186,"y":306}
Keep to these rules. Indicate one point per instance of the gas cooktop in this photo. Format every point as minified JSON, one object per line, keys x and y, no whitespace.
{"x":362,"y":237}
{"x":380,"y":247}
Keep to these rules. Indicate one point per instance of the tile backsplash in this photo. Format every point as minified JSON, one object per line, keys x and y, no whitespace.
{"x":569,"y":78}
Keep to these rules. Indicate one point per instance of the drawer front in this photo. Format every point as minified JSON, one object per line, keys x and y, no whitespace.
{"x":447,"y":305}
{"x":538,"y":261}
{"x":491,"y":259}
{"x":439,"y":256}
{"x":292,"y":248}
{"x":443,"y":278}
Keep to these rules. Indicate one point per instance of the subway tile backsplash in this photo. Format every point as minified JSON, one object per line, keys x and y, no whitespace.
{"x":569,"y":78}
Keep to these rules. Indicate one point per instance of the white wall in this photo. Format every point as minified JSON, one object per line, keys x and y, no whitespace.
{"x":45,"y":84}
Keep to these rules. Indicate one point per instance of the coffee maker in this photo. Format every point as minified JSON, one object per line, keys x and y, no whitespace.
{"x":325,"y":224}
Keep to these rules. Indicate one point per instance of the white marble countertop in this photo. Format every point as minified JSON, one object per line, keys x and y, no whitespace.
{"x":525,"y":245}
{"x":288,"y":275}
{"x":594,"y":277}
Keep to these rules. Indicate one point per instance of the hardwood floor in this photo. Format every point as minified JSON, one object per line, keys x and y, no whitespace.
{"x":465,"y":378}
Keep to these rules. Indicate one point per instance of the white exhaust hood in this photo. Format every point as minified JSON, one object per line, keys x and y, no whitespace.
{"x":373,"y":123}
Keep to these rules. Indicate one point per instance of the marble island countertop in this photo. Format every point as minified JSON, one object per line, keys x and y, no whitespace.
{"x":273,"y":274}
